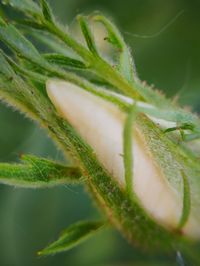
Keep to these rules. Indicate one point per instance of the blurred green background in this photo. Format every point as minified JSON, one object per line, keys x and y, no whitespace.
{"x":30,"y":219}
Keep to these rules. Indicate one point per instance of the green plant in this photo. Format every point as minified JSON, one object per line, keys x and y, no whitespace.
{"x":43,"y":85}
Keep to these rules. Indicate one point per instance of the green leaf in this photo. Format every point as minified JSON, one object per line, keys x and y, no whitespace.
{"x":46,"y":10}
{"x":128,"y":149}
{"x":24,"y":48}
{"x":29,"y":23}
{"x":62,"y":60}
{"x":2,"y":22}
{"x":87,"y":34}
{"x":126,"y":66}
{"x":19,"y":68}
{"x":5,"y":67}
{"x":26,"y":6}
{"x":37,"y":172}
{"x":73,"y":236}
{"x":51,"y":42}
{"x":20,"y":96}
{"x":18,"y":43}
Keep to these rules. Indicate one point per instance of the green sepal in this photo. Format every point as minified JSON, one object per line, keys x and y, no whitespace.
{"x":179,"y":168}
{"x":73,"y":236}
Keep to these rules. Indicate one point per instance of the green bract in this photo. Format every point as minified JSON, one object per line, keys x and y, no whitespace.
{"x":165,"y":130}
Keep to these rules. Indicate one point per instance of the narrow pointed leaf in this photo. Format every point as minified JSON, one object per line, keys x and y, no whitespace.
{"x":87,"y":34}
{"x":24,"y":48}
{"x":72,"y":237}
{"x":20,"y":96}
{"x":28,"y":7}
{"x":37,"y":172}
{"x":51,"y":42}
{"x":62,"y":60}
{"x":5,"y":67}
{"x":46,"y":10}
{"x":18,"y":43}
{"x":26,"y":72}
{"x":29,"y":23}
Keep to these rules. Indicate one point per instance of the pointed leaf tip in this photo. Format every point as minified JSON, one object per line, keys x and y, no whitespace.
{"x":89,"y":38}
{"x":73,"y":236}
{"x":35,"y":172}
{"x":28,"y":7}
{"x":46,"y":10}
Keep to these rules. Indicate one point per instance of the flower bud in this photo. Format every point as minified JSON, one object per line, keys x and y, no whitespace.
{"x":100,"y":124}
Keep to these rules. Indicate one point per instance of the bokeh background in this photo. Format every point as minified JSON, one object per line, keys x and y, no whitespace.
{"x":165,"y":41}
